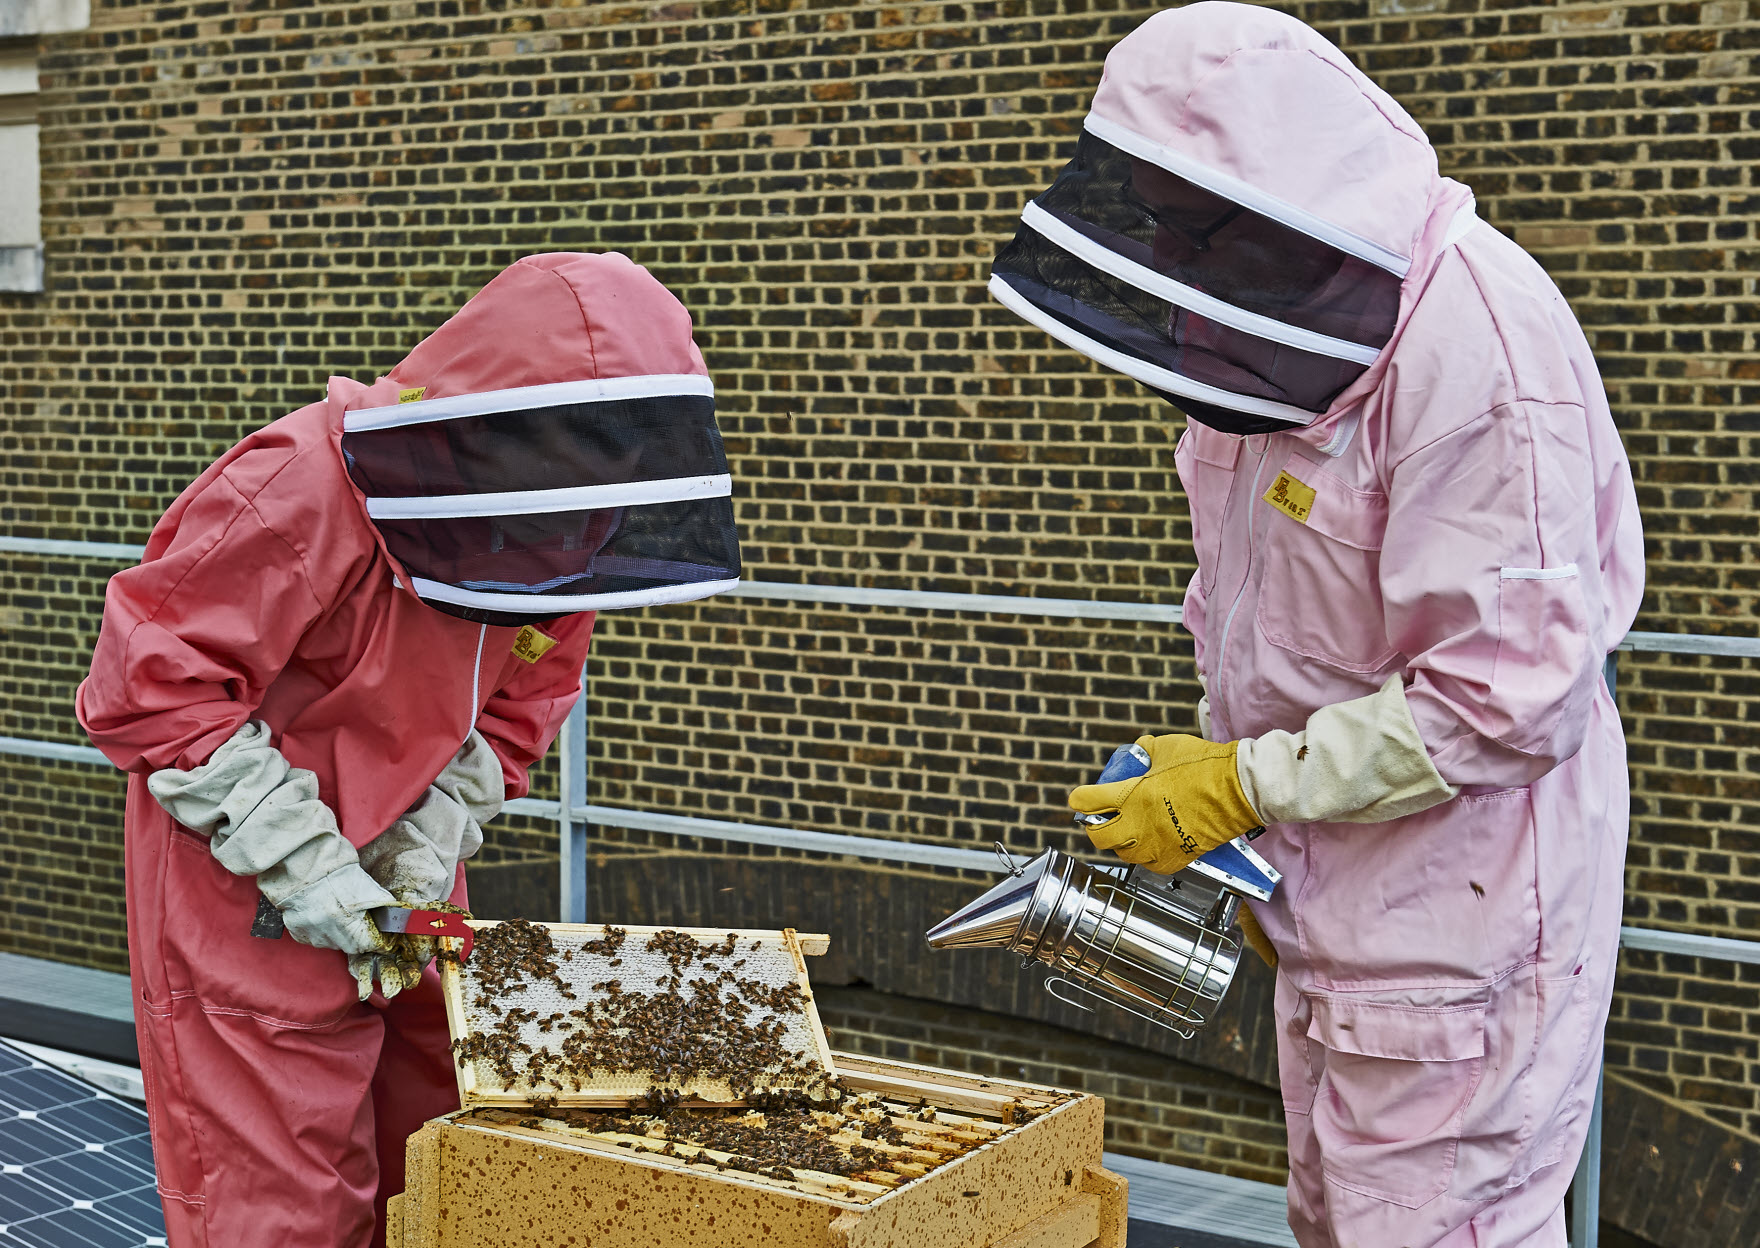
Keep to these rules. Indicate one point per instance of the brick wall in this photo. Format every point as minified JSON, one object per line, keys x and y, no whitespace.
{"x":239,"y":199}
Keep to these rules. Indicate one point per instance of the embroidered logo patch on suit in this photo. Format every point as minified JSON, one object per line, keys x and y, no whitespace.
{"x":412,"y":395}
{"x":1291,"y":497}
{"x":531,"y":645}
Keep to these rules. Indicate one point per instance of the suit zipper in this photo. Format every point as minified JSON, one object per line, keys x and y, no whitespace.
{"x":1218,"y":713}
{"x":470,"y":723}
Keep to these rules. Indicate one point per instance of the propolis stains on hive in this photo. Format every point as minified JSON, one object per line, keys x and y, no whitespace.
{"x":547,"y":1195}
{"x":934,"y":1163}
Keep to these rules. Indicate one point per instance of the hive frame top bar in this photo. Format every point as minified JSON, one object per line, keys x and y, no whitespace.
{"x":811,"y":943}
{"x":478,"y":1091}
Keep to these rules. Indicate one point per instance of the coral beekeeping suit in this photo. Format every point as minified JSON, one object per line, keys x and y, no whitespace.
{"x":349,"y":640}
{"x":1417,"y":540}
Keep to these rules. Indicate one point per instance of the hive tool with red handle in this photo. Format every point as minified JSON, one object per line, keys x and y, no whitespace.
{"x":396,"y":920}
{"x":392,"y":920}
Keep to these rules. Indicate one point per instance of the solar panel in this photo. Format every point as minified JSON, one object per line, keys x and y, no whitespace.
{"x":76,"y":1167}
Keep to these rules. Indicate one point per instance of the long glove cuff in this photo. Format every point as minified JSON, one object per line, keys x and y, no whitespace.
{"x":263,"y":817}
{"x":1359,"y":761}
{"x":346,"y":888}
{"x":418,"y":856}
{"x":221,"y":794}
{"x":331,"y":912}
{"x":474,"y":780}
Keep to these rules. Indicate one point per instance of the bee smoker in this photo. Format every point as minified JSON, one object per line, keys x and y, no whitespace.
{"x":1165,"y":948}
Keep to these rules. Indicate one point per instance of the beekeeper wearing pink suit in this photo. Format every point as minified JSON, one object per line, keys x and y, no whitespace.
{"x":1417,"y":540}
{"x":347,"y":643}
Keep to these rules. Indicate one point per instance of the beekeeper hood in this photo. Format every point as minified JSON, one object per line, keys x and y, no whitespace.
{"x":1244,"y":221}
{"x":550,"y":449}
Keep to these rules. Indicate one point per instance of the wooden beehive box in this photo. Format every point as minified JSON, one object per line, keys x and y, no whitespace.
{"x":986,"y":1163}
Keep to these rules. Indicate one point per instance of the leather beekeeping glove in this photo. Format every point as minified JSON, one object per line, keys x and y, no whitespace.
{"x":263,"y":817}
{"x":1256,"y":938}
{"x":1360,"y":761}
{"x":395,"y":970}
{"x":1187,"y":803}
{"x":401,"y":965}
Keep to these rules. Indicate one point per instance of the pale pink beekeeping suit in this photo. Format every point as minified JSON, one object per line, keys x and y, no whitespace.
{"x":1417,"y":540}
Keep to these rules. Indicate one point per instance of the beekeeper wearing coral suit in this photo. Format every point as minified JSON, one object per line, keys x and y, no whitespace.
{"x":346,"y":645}
{"x":1417,"y":540}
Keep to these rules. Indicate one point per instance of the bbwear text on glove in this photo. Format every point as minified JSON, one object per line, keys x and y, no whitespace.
{"x":1186,"y":804}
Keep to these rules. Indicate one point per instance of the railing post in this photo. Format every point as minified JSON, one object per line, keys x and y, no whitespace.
{"x":1586,"y":1186}
{"x":1586,"y":1183}
{"x":572,"y":832}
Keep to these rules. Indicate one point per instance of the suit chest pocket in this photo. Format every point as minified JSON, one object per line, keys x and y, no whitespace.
{"x":1320,"y":591}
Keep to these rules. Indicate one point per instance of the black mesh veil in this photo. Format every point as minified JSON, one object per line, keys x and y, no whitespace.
{"x":1240,"y":317}
{"x":646,"y":438}
{"x":509,"y":513}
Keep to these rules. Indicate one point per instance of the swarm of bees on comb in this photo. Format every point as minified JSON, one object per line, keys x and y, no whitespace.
{"x":855,"y":1148}
{"x":776,"y":1141}
{"x":715,"y":1024}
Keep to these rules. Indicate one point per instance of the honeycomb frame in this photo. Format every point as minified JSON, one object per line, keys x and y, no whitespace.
{"x":773,"y":957}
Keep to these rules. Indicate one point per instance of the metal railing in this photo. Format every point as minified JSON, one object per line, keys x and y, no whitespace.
{"x":575,"y":816}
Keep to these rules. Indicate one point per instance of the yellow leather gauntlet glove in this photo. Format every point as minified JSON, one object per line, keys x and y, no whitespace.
{"x":1187,"y":803}
{"x":1256,"y":938}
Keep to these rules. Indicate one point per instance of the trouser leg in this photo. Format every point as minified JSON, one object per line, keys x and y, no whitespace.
{"x":1439,"y":1153}
{"x":261,"y":1133}
{"x":284,"y":1121}
{"x":416,"y":1078}
{"x":258,"y":1059}
{"x":415,"y":1081}
{"x":1299,"y":1070}
{"x":1307,"y":1190}
{"x":176,"y":1161}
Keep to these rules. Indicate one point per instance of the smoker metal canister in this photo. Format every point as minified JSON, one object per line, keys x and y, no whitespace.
{"x":1160,"y":948}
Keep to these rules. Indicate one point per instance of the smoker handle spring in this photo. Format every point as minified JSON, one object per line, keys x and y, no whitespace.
{"x":1184,"y":1033}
